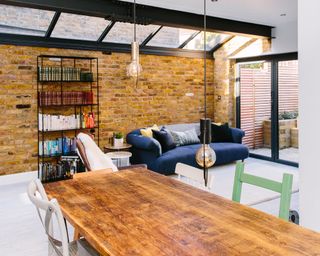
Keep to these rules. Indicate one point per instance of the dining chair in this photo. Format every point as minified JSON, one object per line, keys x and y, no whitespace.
{"x":284,"y":188}
{"x":92,"y":156}
{"x":49,"y":211}
{"x":193,"y":175}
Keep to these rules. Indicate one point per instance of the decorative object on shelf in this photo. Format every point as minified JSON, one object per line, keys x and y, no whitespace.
{"x":118,"y":139}
{"x":134,"y":69}
{"x":205,"y":155}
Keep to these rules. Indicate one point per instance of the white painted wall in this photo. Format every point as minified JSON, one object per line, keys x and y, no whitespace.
{"x":309,"y":122}
{"x":286,"y":38}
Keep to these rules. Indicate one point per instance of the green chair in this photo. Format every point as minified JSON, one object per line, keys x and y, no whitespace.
{"x":284,"y":188}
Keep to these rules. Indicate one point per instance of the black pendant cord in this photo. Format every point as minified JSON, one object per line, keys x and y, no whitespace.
{"x":134,"y":22}
{"x":205,"y":87}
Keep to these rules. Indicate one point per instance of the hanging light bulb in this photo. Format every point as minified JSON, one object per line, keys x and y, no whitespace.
{"x":205,"y":156}
{"x":134,"y":69}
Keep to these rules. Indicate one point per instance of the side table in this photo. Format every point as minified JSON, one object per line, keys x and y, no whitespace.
{"x":120,"y":158}
{"x":111,"y":148}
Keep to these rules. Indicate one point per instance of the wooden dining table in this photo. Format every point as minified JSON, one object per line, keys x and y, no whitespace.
{"x":139,"y":212}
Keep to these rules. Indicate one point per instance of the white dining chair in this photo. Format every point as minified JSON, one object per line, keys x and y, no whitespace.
{"x":48,"y":212}
{"x":193,"y":176}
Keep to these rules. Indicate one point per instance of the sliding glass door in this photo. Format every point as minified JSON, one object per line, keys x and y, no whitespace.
{"x":267,"y":107}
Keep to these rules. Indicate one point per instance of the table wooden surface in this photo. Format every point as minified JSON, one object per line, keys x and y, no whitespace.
{"x":139,"y":212}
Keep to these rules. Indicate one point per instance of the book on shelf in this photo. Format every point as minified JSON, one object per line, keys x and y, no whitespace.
{"x":49,"y":122}
{"x":54,"y":73}
{"x":59,"y":146}
{"x":54,"y":98}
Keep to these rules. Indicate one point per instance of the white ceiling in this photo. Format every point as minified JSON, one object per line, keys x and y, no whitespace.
{"x":265,"y":12}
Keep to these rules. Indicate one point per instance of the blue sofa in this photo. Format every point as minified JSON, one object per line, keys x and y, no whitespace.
{"x":148,"y":150}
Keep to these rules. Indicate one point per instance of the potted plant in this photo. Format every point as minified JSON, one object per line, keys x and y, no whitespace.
{"x":118,"y":139}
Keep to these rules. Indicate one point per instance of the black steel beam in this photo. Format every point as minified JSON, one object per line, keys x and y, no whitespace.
{"x":122,"y":11}
{"x":25,"y":40}
{"x":106,"y":31}
{"x":53,"y":24}
{"x":189,"y":39}
{"x":270,"y":57}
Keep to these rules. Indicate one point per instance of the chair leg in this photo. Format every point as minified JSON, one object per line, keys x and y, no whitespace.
{"x":76,"y":234}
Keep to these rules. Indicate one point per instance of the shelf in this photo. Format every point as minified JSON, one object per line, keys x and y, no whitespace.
{"x":67,"y":130}
{"x":67,"y":105}
{"x":67,"y":57}
{"x":58,"y":155}
{"x":65,"y":81}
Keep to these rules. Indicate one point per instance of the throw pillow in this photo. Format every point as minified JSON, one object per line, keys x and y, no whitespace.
{"x":185,"y":138}
{"x":165,"y":139}
{"x":221,"y":133}
{"x":147,"y":132}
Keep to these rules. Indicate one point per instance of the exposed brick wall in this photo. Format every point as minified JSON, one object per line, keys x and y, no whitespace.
{"x":159,"y":98}
{"x":225,"y":74}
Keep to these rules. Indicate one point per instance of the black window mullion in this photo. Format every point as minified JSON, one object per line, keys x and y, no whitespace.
{"x":148,"y":39}
{"x":106,"y":31}
{"x":219,"y":45}
{"x":53,"y":24}
{"x":189,"y":40}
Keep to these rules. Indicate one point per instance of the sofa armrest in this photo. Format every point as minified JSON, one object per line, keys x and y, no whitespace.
{"x":237,"y":135}
{"x":144,"y":143}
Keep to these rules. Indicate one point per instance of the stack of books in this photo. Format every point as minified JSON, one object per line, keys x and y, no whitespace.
{"x":65,"y":98}
{"x":59,"y":146}
{"x":49,"y":122}
{"x":49,"y":73}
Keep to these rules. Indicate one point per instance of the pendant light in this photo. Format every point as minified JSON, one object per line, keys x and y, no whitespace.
{"x":205,"y":156}
{"x":134,"y":68}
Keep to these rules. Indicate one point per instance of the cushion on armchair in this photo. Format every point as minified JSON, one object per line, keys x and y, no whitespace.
{"x":185,"y":138}
{"x":221,"y":133}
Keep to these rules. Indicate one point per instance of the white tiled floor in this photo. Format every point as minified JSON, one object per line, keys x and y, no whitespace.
{"x":21,"y":233}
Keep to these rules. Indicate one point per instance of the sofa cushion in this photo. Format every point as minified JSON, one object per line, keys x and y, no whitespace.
{"x":147,"y":132}
{"x":183,"y":127}
{"x":185,"y":138}
{"x":165,"y":139}
{"x":221,"y":133}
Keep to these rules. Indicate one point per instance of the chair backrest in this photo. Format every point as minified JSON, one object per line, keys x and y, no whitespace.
{"x":38,"y":197}
{"x":91,"y":155}
{"x":194,"y":175}
{"x":284,"y":187}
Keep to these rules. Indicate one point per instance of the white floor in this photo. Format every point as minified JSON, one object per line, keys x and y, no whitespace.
{"x":288,"y":154}
{"x":21,"y":233}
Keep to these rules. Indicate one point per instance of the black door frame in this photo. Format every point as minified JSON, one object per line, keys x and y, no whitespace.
{"x":274,"y":60}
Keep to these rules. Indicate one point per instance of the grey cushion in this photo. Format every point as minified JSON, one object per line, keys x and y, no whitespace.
{"x":183,"y":127}
{"x":185,"y":138}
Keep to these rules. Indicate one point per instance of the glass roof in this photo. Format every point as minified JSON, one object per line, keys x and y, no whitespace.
{"x":213,"y":39}
{"x":74,"y":26}
{"x":171,"y":37}
{"x":123,"y":33}
{"x":26,"y":21}
{"x":35,"y":22}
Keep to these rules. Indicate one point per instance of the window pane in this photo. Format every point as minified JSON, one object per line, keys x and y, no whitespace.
{"x":213,"y":39}
{"x":27,"y":21}
{"x":123,"y":33}
{"x":171,"y":37}
{"x":80,"y":27}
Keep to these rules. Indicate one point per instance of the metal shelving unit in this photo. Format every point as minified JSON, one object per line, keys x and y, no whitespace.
{"x":61,"y":85}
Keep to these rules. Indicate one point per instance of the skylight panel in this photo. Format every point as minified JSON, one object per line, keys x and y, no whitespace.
{"x":171,"y":37}
{"x":123,"y":33}
{"x":74,"y":26}
{"x":25,"y":21}
{"x":213,"y":39}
